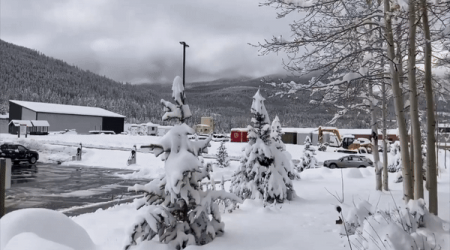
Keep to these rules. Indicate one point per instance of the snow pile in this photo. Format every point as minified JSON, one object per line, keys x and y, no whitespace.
{"x":353,"y":173}
{"x":175,"y":207}
{"x":411,"y":227}
{"x":37,"y":228}
{"x":265,"y":171}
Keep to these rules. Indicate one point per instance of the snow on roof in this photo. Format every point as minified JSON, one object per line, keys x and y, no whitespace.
{"x":40,"y":123}
{"x":298,"y":130}
{"x":66,"y":109}
{"x":20,"y":122}
{"x":341,"y":131}
{"x":165,"y":127}
{"x":203,"y":125}
{"x":5,"y":116}
{"x":366,"y":131}
{"x":239,"y":129}
{"x":151,"y":124}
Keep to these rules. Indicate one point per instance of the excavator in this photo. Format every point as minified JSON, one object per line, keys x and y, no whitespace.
{"x":347,"y":142}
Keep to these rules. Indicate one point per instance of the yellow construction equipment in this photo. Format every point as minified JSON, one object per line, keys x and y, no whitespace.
{"x":347,"y":142}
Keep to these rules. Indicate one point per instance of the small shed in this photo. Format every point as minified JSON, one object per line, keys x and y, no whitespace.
{"x":40,"y":127}
{"x":297,"y":135}
{"x":162,"y":130}
{"x":14,"y":126}
{"x":134,"y":129}
{"x":152,"y":129}
{"x":289,"y":137}
{"x":239,"y":135}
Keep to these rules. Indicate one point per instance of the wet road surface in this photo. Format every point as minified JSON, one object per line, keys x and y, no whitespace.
{"x":71,"y":189}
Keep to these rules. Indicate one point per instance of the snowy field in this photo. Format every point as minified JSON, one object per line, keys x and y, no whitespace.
{"x":307,"y":222}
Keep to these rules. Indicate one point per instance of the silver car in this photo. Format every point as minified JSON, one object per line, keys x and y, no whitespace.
{"x":349,"y":161}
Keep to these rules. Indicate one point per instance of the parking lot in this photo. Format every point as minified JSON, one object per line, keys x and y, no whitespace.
{"x":71,"y":189}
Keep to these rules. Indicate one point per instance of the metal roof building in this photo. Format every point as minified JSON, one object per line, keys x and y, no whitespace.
{"x":62,"y":117}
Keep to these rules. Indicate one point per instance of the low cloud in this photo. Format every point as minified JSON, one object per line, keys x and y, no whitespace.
{"x":138,"y":40}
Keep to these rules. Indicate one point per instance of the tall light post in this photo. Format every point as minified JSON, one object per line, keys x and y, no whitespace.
{"x":184,"y":60}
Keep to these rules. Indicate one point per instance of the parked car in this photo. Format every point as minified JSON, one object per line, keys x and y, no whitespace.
{"x":18,"y":153}
{"x":102,"y":132}
{"x":349,"y":161}
{"x":220,"y":137}
{"x":199,"y":137}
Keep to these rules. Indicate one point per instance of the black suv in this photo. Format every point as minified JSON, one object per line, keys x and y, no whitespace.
{"x":18,"y":153}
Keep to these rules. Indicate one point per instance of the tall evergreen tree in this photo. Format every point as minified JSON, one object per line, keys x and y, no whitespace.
{"x":175,"y":207}
{"x":264,"y":171}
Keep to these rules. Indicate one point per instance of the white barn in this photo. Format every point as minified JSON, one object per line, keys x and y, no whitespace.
{"x":61,"y":117}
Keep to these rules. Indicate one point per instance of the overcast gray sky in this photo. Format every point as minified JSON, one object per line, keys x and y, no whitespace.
{"x":138,"y":40}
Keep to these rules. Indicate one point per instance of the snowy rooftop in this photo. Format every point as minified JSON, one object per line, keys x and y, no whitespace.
{"x":299,"y":130}
{"x":341,"y":131}
{"x":6,"y":116}
{"x":20,"y":122}
{"x":66,"y":109}
{"x":239,"y":129}
{"x":40,"y":123}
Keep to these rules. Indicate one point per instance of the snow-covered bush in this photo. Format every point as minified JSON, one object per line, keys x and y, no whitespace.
{"x":308,"y":160}
{"x":222,"y":156}
{"x":411,"y":227}
{"x":225,"y":205}
{"x":176,"y":207}
{"x":264,"y":170}
{"x":396,"y":160}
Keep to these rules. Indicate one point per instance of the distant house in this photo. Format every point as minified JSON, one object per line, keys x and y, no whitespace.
{"x":14,"y":126}
{"x":206,"y":126}
{"x":39,"y":127}
{"x":61,"y":117}
{"x":134,"y":129}
{"x":33,"y":127}
{"x":162,"y":130}
{"x":152,"y":129}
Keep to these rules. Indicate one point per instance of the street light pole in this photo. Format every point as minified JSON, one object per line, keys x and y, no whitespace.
{"x":184,"y":60}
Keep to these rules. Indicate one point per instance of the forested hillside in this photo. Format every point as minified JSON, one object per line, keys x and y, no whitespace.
{"x":29,"y":75}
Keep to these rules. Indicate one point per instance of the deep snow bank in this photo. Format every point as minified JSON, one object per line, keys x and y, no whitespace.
{"x":45,"y":228}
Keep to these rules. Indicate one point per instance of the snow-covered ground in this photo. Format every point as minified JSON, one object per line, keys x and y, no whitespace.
{"x":307,"y":222}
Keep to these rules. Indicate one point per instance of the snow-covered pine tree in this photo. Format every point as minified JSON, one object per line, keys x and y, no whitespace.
{"x":175,"y":207}
{"x":308,"y":160}
{"x":277,"y":133}
{"x":286,"y":159}
{"x":264,"y":170}
{"x":222,"y":156}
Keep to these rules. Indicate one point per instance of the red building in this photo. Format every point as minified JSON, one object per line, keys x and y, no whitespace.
{"x":239,"y":135}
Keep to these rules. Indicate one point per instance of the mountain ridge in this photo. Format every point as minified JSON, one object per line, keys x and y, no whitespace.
{"x":29,"y":75}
